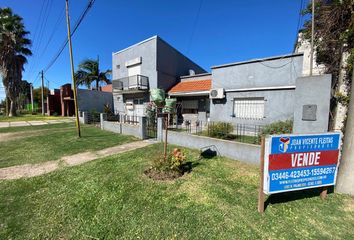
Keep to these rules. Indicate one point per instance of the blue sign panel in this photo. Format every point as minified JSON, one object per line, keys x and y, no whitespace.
{"x":294,"y":162}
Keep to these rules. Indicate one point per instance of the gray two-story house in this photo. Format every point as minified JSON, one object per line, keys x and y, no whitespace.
{"x":152,"y":63}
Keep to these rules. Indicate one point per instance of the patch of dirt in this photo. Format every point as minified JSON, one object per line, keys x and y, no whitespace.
{"x":28,"y":170}
{"x":162,"y":175}
{"x":31,"y":170}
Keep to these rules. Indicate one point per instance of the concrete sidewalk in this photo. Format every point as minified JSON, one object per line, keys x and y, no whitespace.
{"x":33,"y":123}
{"x":32,"y":170}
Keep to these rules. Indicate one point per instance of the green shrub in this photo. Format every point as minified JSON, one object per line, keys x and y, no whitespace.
{"x":107,"y":109}
{"x":279,"y":127}
{"x":220,"y":130}
{"x":173,"y":162}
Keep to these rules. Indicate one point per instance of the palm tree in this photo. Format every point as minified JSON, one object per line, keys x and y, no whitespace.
{"x":13,"y":51}
{"x":89,"y":72}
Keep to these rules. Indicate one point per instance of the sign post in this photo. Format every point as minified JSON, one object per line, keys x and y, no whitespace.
{"x":261,"y":178}
{"x":295,"y":162}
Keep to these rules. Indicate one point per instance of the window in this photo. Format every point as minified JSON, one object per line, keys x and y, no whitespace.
{"x":138,"y":101}
{"x":134,"y":70}
{"x":249,"y":108}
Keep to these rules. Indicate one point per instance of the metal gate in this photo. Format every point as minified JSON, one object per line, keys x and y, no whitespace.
{"x":151,"y":127}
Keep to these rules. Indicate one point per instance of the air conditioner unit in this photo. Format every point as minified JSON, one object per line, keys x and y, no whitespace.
{"x":217,"y":93}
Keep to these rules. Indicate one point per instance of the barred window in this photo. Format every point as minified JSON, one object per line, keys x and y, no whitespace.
{"x":249,"y":108}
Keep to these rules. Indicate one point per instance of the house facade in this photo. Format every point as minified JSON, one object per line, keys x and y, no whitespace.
{"x":192,"y":94}
{"x":257,"y":92}
{"x":152,"y":63}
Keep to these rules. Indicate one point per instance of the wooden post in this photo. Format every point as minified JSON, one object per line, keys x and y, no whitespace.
{"x":72,"y":70}
{"x":261,"y":179}
{"x":323,"y":194}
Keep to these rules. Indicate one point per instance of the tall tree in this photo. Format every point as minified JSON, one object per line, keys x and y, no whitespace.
{"x":89,"y":72}
{"x":37,"y":94}
{"x":334,"y":37}
{"x":24,"y":96}
{"x":14,"y":47}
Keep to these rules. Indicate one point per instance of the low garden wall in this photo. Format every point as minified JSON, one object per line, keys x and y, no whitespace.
{"x":138,"y":130}
{"x":235,"y":150}
{"x":239,"y":151}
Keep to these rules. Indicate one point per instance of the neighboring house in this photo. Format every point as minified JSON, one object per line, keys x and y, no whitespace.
{"x":256,"y":92}
{"x":93,"y":100}
{"x":152,"y":63}
{"x":61,"y":101}
{"x":304,"y":46}
{"x":107,"y":88}
{"x":54,"y":106}
{"x":192,"y":95}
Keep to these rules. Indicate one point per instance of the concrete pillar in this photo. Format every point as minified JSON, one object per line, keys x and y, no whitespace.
{"x":142,"y":127}
{"x":312,"y":102}
{"x":85,"y":117}
{"x":80,"y":117}
{"x":160,"y":129}
{"x":103,"y":117}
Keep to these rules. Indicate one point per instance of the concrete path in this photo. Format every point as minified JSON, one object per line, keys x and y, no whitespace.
{"x":32,"y":170}
{"x":33,"y":123}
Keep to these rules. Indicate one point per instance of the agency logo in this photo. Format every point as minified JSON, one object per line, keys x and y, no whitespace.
{"x":284,"y":144}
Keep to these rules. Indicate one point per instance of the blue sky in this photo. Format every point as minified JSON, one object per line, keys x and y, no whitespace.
{"x":224,"y":31}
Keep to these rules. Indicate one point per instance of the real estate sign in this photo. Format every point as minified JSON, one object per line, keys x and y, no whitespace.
{"x":294,"y":162}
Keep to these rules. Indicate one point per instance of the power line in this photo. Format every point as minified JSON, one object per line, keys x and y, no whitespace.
{"x":276,"y":67}
{"x":299,"y":22}
{"x":77,"y":24}
{"x":38,"y":22}
{"x":194,"y":25}
{"x":37,"y":41}
{"x":43,"y":26}
{"x":36,"y":79}
{"x":57,"y":23}
{"x":34,"y":40}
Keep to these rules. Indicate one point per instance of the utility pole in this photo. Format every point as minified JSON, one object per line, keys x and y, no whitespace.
{"x":346,"y":168}
{"x":312,"y":35}
{"x":72,"y":68}
{"x":42,"y":92}
{"x":31,"y":89}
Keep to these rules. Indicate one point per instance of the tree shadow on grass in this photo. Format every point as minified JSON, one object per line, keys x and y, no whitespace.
{"x":295,"y":195}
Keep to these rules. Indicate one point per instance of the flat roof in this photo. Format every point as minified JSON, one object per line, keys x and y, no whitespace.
{"x":136,"y":44}
{"x":258,"y":60}
{"x":195,"y":75}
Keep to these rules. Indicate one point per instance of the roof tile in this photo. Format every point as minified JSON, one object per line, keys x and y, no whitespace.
{"x":192,"y":86}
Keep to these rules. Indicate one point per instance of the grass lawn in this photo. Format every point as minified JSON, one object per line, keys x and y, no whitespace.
{"x":50,"y":142}
{"x":38,"y":127}
{"x":112,"y":199}
{"x":29,"y":117}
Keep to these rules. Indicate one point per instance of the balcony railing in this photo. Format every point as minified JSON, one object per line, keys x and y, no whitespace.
{"x":136,"y":82}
